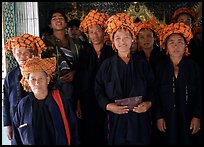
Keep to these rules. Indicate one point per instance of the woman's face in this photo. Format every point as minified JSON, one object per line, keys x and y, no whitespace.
{"x":21,"y":55}
{"x":96,"y":35}
{"x":146,"y":39}
{"x":58,"y":22}
{"x":185,"y":18}
{"x":38,"y":82}
{"x":122,"y":40}
{"x":176,"y":45}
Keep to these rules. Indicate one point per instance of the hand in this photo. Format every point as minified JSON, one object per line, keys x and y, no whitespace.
{"x":195,"y":125}
{"x":78,"y":110}
{"x":143,"y":107}
{"x":9,"y":132}
{"x":161,"y":125}
{"x":68,"y":77}
{"x":117,"y":109}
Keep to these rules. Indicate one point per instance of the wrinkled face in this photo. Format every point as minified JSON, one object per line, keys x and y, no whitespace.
{"x":146,"y":39}
{"x":96,"y":34}
{"x":21,"y":55}
{"x":58,"y":22}
{"x":74,"y":32}
{"x":185,"y":18}
{"x":176,"y":45}
{"x":38,"y":82}
{"x":122,"y":40}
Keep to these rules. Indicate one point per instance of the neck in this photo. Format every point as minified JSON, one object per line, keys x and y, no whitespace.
{"x":175,"y":60}
{"x":59,"y":35}
{"x":148,"y":51}
{"x":41,"y":95}
{"x":124,"y":56}
{"x":98,"y":48}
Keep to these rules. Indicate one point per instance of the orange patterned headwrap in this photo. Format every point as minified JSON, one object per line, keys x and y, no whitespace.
{"x":25,"y":40}
{"x":93,"y":18}
{"x":179,"y":11}
{"x":120,"y":20}
{"x":36,"y":64}
{"x":173,"y":28}
{"x":151,"y":24}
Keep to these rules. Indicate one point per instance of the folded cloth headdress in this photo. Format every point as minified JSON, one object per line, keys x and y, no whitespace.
{"x":184,"y":10}
{"x":36,"y":64}
{"x":173,"y":28}
{"x":94,"y":17}
{"x":151,"y":24}
{"x":120,"y":20}
{"x":25,"y":40}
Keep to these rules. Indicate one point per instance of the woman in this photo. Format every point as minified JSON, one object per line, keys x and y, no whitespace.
{"x":178,"y":88}
{"x":22,"y":47}
{"x":44,"y":117}
{"x":147,"y":42}
{"x":124,"y":75}
{"x":89,"y":113}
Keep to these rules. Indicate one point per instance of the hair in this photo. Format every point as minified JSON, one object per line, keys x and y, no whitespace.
{"x":74,"y":23}
{"x":57,"y":11}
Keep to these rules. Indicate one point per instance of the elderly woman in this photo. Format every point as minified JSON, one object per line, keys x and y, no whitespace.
{"x":22,"y":47}
{"x":124,"y":77}
{"x":178,"y":88}
{"x":43,"y":117}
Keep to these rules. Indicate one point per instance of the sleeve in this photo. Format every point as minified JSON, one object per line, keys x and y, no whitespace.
{"x":156,"y":107}
{"x":100,"y":86}
{"x":149,"y":75}
{"x":6,"y":103}
{"x":199,"y":95}
{"x":16,"y":123}
{"x":71,"y":117}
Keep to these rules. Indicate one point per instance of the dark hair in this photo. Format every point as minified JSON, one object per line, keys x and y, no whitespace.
{"x":73,"y":23}
{"x":57,"y":11}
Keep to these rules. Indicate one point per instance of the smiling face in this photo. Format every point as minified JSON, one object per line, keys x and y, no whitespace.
{"x":176,"y":45}
{"x":145,"y":39}
{"x":122,"y":40}
{"x":58,"y":22}
{"x":22,"y":54}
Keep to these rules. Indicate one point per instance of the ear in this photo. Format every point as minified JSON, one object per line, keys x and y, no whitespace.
{"x":50,"y":26}
{"x":48,"y":80}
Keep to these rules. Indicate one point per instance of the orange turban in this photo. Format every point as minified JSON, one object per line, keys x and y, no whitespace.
{"x":179,"y":11}
{"x":149,"y":24}
{"x":25,"y":40}
{"x":173,"y":28}
{"x":120,"y":20}
{"x":93,"y":18}
{"x":36,"y":64}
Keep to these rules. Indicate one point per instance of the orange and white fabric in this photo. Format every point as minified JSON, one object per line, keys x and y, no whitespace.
{"x":36,"y":64}
{"x":25,"y":40}
{"x":173,"y":28}
{"x":94,"y":17}
{"x":184,"y":10}
{"x":123,"y":21}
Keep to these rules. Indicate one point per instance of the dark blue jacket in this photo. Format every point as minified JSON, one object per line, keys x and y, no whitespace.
{"x":23,"y":115}
{"x":13,"y":92}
